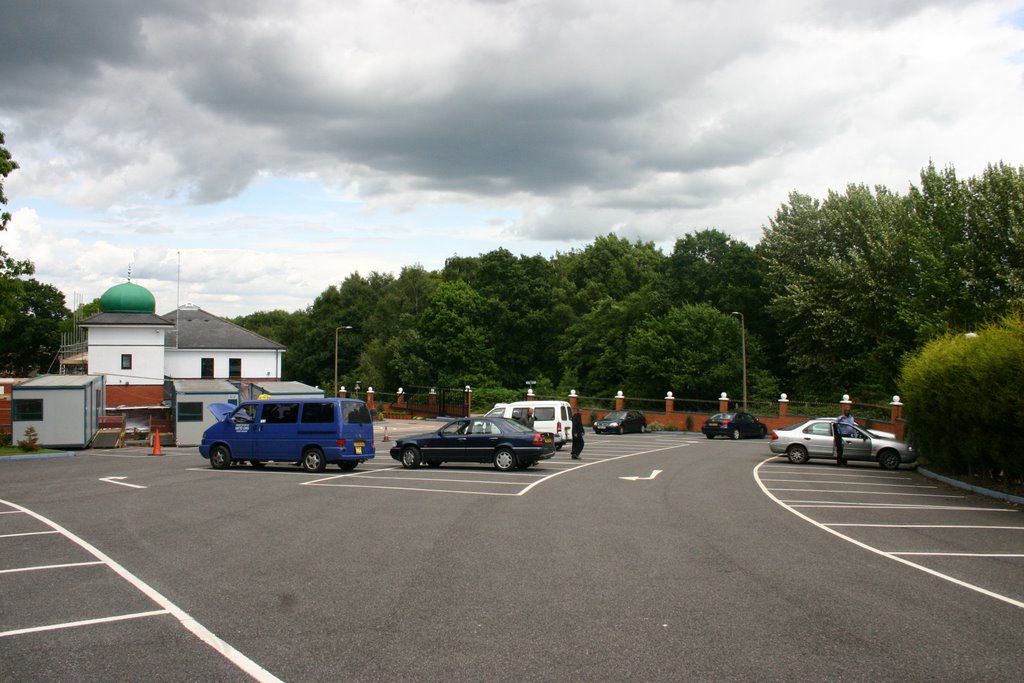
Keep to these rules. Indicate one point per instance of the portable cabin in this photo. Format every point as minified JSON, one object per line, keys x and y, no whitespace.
{"x":65,"y":410}
{"x":191,"y":400}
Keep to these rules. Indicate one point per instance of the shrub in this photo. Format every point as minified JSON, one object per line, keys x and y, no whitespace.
{"x":30,"y":444}
{"x":5,"y":438}
{"x":964,"y":408}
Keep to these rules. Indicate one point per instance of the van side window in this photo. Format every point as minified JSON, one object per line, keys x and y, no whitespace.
{"x":318,"y":413}
{"x":356,"y":413}
{"x":280,"y":413}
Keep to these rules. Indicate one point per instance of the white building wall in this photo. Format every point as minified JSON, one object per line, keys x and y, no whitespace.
{"x":145,"y":344}
{"x":256,"y":364}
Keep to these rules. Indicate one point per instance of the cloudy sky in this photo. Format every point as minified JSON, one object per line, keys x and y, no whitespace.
{"x":244,"y":155}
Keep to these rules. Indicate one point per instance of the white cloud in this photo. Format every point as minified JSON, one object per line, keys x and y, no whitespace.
{"x":455,"y":127}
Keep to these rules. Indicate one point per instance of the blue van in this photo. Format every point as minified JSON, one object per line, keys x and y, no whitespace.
{"x":307,"y":431}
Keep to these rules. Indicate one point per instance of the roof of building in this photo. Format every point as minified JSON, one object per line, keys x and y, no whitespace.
{"x":198,"y":329}
{"x":128,"y":297}
{"x":113,"y":319}
{"x":58,"y":382}
{"x":205,"y":386}
{"x":287,"y":389}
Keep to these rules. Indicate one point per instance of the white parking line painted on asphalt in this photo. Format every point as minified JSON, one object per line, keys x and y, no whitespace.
{"x":885,"y":506}
{"x":28,"y":533}
{"x":851,"y":483}
{"x":84,"y":622}
{"x":874,"y":493}
{"x":44,"y":567}
{"x":205,"y":635}
{"x":904,"y":554}
{"x":932,"y":526}
{"x":878,"y":551}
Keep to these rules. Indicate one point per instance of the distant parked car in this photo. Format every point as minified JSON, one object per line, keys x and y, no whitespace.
{"x":497,"y":440}
{"x":813,"y":439}
{"x":621,"y":421}
{"x":734,"y":425}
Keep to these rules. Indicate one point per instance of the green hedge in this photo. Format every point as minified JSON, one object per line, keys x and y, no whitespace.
{"x":964,"y":402}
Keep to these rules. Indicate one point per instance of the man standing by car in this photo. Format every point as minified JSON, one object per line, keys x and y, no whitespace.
{"x":841,"y":428}
{"x":577,"y":434}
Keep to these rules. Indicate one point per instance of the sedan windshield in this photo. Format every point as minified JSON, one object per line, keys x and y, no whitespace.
{"x":617,"y":415}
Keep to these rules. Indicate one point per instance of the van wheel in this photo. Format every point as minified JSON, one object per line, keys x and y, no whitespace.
{"x":220,"y":458}
{"x":313,"y":460}
{"x":348,"y":465}
{"x":504,"y":460}
{"x":410,"y":457}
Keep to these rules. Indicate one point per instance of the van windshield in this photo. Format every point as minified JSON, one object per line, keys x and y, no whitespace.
{"x":356,"y":413}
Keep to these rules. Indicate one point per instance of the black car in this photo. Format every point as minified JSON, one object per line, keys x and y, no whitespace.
{"x":504,"y":443}
{"x":621,"y":421}
{"x":734,"y":425}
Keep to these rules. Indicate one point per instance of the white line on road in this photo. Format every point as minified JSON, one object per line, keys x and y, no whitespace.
{"x":204,"y":634}
{"x":877,"y":551}
{"x":84,"y":622}
{"x":114,"y":480}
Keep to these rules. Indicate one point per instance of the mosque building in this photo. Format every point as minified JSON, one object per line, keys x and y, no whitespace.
{"x":144,"y":372}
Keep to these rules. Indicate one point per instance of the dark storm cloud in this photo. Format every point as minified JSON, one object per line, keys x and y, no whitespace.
{"x":484,"y":99}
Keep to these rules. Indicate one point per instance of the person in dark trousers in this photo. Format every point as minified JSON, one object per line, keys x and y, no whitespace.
{"x":840,"y":429}
{"x":577,"y":434}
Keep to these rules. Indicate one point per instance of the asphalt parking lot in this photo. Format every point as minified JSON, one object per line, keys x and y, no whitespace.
{"x":119,"y":565}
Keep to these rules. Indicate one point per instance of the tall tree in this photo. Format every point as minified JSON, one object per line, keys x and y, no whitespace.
{"x":31,"y":346}
{"x":10,"y":268}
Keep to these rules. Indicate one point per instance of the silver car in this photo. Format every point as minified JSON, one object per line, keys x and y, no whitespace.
{"x":813,"y":439}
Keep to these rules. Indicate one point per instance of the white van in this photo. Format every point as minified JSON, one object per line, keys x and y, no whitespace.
{"x":548,"y":416}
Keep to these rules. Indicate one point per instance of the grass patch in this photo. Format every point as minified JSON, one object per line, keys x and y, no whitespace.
{"x":14,"y":450}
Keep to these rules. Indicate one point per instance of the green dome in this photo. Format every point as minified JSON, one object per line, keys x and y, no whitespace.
{"x":128,"y":297}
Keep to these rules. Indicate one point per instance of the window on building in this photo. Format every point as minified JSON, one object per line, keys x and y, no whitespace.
{"x":206,"y":368}
{"x":235,"y":368}
{"x":27,"y":409}
{"x":126,"y":361}
{"x":190,"y":412}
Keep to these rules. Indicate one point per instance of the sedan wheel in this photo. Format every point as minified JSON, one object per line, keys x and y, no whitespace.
{"x":313,"y":460}
{"x":735,"y":434}
{"x":220,"y":458}
{"x":797,"y":455}
{"x":889,"y":460}
{"x":410,"y":457}
{"x":504,"y":460}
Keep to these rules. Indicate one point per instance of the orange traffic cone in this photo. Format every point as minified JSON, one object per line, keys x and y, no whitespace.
{"x":386,"y":433}
{"x":156,"y":443}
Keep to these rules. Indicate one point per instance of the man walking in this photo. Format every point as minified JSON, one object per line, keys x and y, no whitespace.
{"x":577,"y":434}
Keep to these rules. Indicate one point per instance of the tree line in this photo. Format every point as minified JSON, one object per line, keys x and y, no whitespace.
{"x":837,"y":295}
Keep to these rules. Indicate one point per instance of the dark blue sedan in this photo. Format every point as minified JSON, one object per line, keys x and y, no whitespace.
{"x":734,"y":425}
{"x":506,"y":444}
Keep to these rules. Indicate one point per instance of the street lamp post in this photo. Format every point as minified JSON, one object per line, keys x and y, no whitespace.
{"x":743,"y":338}
{"x":336,"y":330}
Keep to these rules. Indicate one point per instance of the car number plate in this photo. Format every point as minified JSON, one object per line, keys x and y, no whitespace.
{"x":712,"y":424}
{"x":359,"y":447}
{"x":548,"y":439}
